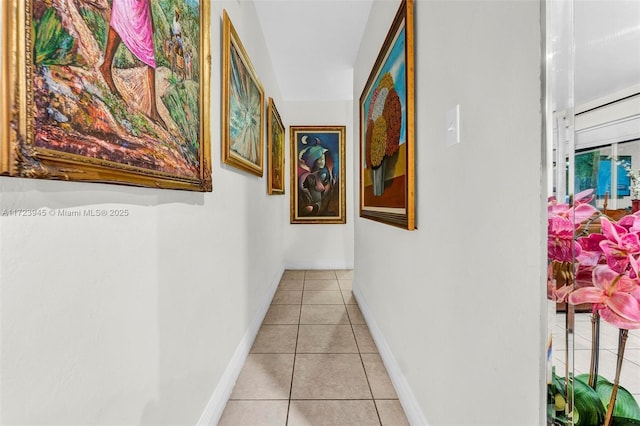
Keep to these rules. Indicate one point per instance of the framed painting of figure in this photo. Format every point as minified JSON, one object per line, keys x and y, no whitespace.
{"x":275,"y":149}
{"x":107,"y":91}
{"x":387,"y":129}
{"x":317,"y":174}
{"x":242,"y":105}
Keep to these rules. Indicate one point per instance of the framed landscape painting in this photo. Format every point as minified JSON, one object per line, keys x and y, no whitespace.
{"x":107,"y":91}
{"x":317,"y":174}
{"x":242,"y":105}
{"x":275,"y":148}
{"x":387,"y":129}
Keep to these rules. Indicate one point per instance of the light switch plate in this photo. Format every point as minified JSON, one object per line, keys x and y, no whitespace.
{"x":453,"y":126}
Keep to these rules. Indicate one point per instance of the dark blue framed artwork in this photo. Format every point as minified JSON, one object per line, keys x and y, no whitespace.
{"x":318,"y":174}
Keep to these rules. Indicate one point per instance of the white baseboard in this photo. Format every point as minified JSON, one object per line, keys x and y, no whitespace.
{"x":217,"y":402}
{"x":405,"y":394}
{"x":319,"y":265}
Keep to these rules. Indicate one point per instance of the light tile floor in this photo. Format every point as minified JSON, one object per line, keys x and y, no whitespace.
{"x":314,"y":361}
{"x":630,"y":376}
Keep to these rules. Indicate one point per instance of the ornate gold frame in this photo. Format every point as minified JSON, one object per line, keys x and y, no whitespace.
{"x":403,"y":217}
{"x":274,"y":121}
{"x":296,"y":176}
{"x":20,"y":157}
{"x":230,"y":39}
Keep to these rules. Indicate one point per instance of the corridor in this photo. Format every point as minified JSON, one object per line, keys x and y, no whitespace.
{"x":314,"y":361}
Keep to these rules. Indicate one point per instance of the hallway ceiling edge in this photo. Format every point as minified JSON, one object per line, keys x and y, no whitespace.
{"x":313,"y":45}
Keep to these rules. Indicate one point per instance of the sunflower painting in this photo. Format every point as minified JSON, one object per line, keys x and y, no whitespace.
{"x":387,"y":129}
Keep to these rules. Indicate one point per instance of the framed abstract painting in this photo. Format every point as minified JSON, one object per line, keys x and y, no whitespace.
{"x":107,"y":91}
{"x":317,"y":174}
{"x":242,"y":105}
{"x":387,"y":184}
{"x":275,"y":150}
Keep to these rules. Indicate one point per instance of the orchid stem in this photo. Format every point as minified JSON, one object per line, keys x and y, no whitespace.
{"x":569,"y":324}
{"x":622,"y":341}
{"x":595,"y":350}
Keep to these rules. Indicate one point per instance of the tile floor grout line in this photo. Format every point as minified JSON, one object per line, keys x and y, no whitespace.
{"x":295,"y":355}
{"x":289,"y":415}
{"x":333,"y":399}
{"x":366,"y":376}
{"x":295,"y":351}
{"x":370,"y":389}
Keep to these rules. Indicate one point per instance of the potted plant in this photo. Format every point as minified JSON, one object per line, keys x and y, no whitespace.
{"x":634,"y":176}
{"x":597,"y":266}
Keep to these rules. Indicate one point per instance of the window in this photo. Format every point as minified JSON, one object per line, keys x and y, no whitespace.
{"x":594,"y":169}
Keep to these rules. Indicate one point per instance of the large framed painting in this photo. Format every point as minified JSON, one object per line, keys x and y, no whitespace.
{"x":317,"y":174}
{"x":275,"y":148}
{"x":107,"y":91}
{"x":242,"y":105}
{"x":387,"y":129}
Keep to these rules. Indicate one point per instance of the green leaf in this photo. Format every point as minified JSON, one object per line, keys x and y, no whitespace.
{"x":584,"y":378}
{"x":557,"y":384}
{"x":588,"y":409}
{"x":556,"y":387}
{"x":587,"y":403}
{"x":623,"y":421}
{"x":626,"y":406}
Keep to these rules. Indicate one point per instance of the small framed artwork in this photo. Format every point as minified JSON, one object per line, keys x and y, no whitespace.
{"x":317,"y":174}
{"x":275,"y":148}
{"x":107,"y":92}
{"x":242,"y":105}
{"x":387,"y":129}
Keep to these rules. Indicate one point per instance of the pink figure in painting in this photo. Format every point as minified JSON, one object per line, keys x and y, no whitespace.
{"x":132,"y":23}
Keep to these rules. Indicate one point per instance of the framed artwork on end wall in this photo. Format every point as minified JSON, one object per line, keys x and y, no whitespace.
{"x":242,"y":105}
{"x":317,"y":174}
{"x":106,"y":92}
{"x":275,"y":149}
{"x":387,"y":129}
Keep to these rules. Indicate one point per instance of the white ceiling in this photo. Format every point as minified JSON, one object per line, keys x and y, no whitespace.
{"x":313,"y":45}
{"x":607,"y":55}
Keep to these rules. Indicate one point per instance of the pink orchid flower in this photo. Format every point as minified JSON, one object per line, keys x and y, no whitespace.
{"x":635,"y":222}
{"x":554,"y":293}
{"x":591,"y":252}
{"x":615,"y":296}
{"x":577,"y":214}
{"x":619,"y":245}
{"x":584,"y":276}
{"x":628,"y":221}
{"x":584,"y":197}
{"x":560,"y":246}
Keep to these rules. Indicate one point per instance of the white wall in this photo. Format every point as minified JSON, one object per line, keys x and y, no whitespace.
{"x":321,"y":246}
{"x":134,"y":320}
{"x":459,"y":301}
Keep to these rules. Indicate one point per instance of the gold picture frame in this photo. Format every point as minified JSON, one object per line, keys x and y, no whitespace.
{"x":275,"y":150}
{"x":80,"y":104}
{"x":387,"y":175}
{"x":318,"y":178}
{"x":242,"y":105}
